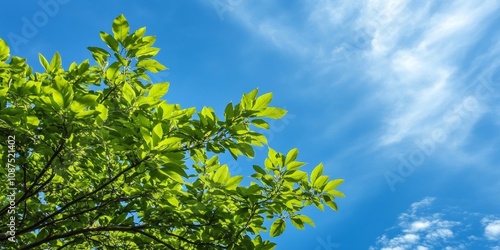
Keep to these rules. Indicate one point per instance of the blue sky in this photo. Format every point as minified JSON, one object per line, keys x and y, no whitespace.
{"x":400,"y":98}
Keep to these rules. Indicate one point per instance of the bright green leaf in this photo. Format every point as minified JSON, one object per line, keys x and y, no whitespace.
{"x":291,"y":156}
{"x":320,"y":181}
{"x":109,"y":40}
{"x":151,"y":65}
{"x":128,"y":93}
{"x":4,"y":51}
{"x":259,"y":123}
{"x":57,"y":100}
{"x":272,"y":112}
{"x":44,"y":62}
{"x":158,"y":90}
{"x":317,"y":172}
{"x":333,"y":184}
{"x":56,"y":62}
{"x":120,"y":28}
{"x":305,"y":219}
{"x":296,"y":175}
{"x":295,"y":165}
{"x":336,"y":193}
{"x":157,"y":134}
{"x":278,"y":227}
{"x":222,"y":175}
{"x":262,"y":101}
{"x":233,"y":182}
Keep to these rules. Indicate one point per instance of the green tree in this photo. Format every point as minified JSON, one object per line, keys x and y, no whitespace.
{"x":95,"y":159}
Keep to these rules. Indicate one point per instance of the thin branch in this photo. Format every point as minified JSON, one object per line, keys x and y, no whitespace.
{"x":81,"y":231}
{"x":155,"y":239}
{"x":27,"y":194}
{"x":63,"y":208}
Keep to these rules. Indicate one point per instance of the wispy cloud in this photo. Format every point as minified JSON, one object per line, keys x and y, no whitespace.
{"x":422,"y":227}
{"x":413,"y":51}
{"x":419,"y":54}
{"x":408,"y":62}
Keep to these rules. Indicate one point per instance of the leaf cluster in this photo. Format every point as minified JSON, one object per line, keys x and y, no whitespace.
{"x":103,"y":162}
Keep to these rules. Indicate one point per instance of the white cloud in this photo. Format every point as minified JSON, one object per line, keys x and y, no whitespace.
{"x":419,"y":226}
{"x":438,"y":234}
{"x":427,"y":201}
{"x":492,"y":229}
{"x":422,"y":228}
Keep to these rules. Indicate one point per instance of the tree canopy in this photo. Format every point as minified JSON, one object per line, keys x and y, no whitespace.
{"x":94,"y":158}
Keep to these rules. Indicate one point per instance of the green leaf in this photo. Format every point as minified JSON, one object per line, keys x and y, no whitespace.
{"x":297,"y":222}
{"x":147,"y":52}
{"x":157,"y":134}
{"x":295,"y":165}
{"x":246,"y":149}
{"x":88,"y":99}
{"x":151,"y":65}
{"x":128,"y":93}
{"x":336,"y":193}
{"x":98,"y":51}
{"x":113,"y":70}
{"x":329,"y":201}
{"x":320,"y":181}
{"x":174,"y":171}
{"x":259,"y":170}
{"x":172,"y":142}
{"x":140,"y":32}
{"x":4,"y":51}
{"x":83,"y":67}
{"x":57,"y":99}
{"x":272,"y":112}
{"x":103,"y":116}
{"x":317,"y":172}
{"x":173,"y":201}
{"x":228,"y":111}
{"x":333,"y":184}
{"x":222,"y":175}
{"x":158,"y":90}
{"x":110,"y":41}
{"x":291,"y":156}
{"x":295,"y":175}
{"x":252,"y":94}
{"x":159,"y":174}
{"x":146,"y":136}
{"x":33,"y":120}
{"x":234,"y":151}
{"x":122,"y":60}
{"x":332,"y":205}
{"x":44,"y":62}
{"x":120,"y":28}
{"x":259,"y":123}
{"x":56,"y":61}
{"x":233,"y":182}
{"x":146,"y":101}
{"x":246,"y":102}
{"x":274,"y":157}
{"x":262,"y":102}
{"x":278,"y":227}
{"x":305,"y":219}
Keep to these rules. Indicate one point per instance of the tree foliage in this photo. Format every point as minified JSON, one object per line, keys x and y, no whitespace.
{"x":101,"y":161}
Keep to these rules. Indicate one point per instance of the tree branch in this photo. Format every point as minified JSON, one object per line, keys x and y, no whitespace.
{"x":81,"y":231}
{"x":27,"y":194}
{"x":63,"y":208}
